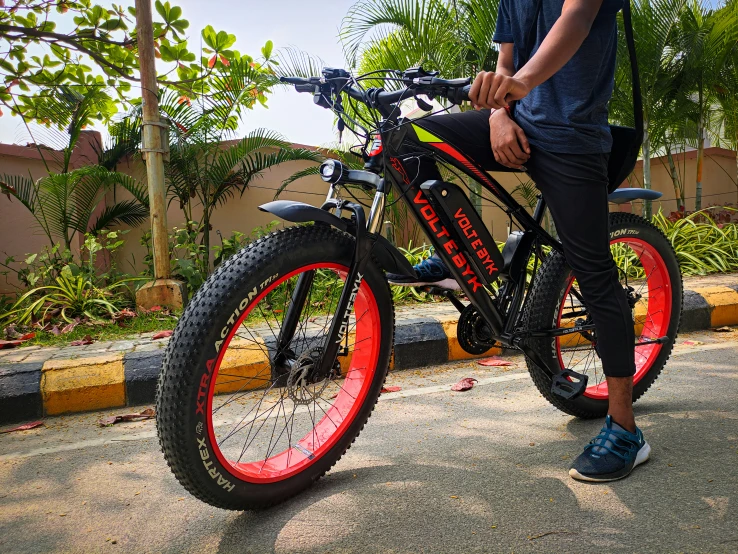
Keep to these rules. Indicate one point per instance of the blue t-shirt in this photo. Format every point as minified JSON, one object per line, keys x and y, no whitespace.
{"x":567,"y":113}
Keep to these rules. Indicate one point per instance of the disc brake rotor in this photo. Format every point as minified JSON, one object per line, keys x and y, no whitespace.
{"x":300,"y":387}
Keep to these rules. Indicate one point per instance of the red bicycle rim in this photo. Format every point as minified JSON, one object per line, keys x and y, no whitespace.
{"x":345,"y":405}
{"x":652,"y":323}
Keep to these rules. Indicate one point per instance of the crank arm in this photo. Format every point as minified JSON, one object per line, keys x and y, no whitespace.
{"x":660,"y":340}
{"x":561,"y":331}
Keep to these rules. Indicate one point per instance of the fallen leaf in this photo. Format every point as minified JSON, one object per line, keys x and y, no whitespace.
{"x":10,"y":343}
{"x":27,"y":336}
{"x":692,"y":342}
{"x":24,"y":427}
{"x":148,"y":413}
{"x":55,"y":331}
{"x":123,"y":314}
{"x":69,"y":327}
{"x":724,"y":329}
{"x":87,"y":339}
{"x":162,"y":335}
{"x":155,"y":308}
{"x":466,"y":383}
{"x":390,"y":389}
{"x":494,"y":361}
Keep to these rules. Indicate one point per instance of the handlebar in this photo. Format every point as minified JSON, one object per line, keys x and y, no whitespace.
{"x":454,"y":90}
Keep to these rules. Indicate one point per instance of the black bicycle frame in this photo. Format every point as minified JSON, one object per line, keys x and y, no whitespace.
{"x":401,"y":149}
{"x":453,"y":228}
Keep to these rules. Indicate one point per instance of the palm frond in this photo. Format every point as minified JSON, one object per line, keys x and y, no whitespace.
{"x":127,"y":212}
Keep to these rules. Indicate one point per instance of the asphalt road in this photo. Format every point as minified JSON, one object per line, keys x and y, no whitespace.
{"x":433,"y":471}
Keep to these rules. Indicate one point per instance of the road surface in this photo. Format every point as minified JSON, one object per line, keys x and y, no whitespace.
{"x":433,"y":471}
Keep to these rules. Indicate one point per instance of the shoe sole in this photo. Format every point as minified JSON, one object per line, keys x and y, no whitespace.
{"x":641,"y":458}
{"x":449,"y":284}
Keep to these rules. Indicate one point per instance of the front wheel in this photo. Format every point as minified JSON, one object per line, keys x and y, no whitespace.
{"x":649,"y":273}
{"x":243,"y":421}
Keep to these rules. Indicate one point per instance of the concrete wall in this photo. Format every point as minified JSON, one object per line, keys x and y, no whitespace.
{"x":20,"y":235}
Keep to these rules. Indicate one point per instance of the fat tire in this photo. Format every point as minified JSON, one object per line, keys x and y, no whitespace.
{"x":545,"y":299}
{"x":191,"y":347}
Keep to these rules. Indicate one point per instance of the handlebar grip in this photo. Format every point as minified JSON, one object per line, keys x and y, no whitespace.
{"x":305,"y":88}
{"x":459,"y":95}
{"x":294,"y":80}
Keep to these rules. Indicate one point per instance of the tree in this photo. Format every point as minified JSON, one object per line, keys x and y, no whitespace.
{"x":656,"y":33}
{"x":451,"y":36}
{"x":99,"y":49}
{"x":708,"y":39}
{"x":64,"y":202}
{"x":203,"y":166}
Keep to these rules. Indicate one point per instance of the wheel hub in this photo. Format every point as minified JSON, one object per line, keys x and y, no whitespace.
{"x":301,"y":386}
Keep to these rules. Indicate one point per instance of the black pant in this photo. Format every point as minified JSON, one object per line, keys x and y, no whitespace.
{"x":574,"y":187}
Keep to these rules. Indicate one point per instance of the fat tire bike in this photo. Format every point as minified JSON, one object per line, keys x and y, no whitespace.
{"x":278,"y":361}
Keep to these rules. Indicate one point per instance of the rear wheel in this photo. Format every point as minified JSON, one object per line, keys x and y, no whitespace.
{"x":649,"y":272}
{"x":242,"y":420}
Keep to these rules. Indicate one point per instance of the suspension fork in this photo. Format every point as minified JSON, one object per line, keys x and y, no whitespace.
{"x":340,"y":325}
{"x":362,"y":255}
{"x":300,"y":294}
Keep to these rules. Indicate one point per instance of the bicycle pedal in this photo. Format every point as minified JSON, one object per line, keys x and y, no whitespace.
{"x":569,"y":384}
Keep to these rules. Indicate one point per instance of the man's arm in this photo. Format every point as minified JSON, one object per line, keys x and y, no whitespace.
{"x":509,"y":144}
{"x":495,"y":90}
{"x":506,"y":61}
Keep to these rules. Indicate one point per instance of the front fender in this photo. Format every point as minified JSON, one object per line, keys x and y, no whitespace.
{"x":389,"y":257}
{"x":299,"y":212}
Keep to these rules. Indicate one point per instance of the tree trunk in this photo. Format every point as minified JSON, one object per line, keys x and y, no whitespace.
{"x":678,"y":190}
{"x":646,"y":168}
{"x":700,"y":162}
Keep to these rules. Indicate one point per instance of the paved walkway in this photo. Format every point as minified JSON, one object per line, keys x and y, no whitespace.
{"x":144,"y":343}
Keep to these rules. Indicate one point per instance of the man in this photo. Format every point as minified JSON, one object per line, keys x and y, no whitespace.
{"x":559,"y":133}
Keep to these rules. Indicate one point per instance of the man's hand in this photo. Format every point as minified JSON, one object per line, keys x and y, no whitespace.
{"x":494,"y":90}
{"x":509,"y":144}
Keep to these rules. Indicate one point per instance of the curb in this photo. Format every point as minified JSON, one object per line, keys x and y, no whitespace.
{"x":58,"y":386}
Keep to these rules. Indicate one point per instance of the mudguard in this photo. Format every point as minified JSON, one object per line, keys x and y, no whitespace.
{"x":388,"y":256}
{"x":620,"y":196}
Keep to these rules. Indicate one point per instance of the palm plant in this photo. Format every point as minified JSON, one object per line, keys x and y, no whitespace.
{"x":708,"y":39}
{"x":203,"y":166}
{"x":65,"y":201}
{"x":451,"y":36}
{"x":656,"y":31}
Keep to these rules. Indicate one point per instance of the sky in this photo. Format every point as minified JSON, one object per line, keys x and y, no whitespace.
{"x":311,"y":26}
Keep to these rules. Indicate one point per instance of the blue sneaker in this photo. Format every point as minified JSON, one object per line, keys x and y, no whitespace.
{"x":430,"y":272}
{"x":611,"y":455}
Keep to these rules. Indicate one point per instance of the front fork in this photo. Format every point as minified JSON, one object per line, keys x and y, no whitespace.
{"x":340,"y":325}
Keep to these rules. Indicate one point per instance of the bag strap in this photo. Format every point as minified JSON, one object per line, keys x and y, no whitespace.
{"x":635,"y":77}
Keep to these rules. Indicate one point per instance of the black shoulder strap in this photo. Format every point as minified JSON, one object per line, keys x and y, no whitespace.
{"x":635,"y":77}
{"x":530,"y":42}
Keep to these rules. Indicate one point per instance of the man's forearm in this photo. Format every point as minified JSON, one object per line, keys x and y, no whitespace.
{"x":561,"y":43}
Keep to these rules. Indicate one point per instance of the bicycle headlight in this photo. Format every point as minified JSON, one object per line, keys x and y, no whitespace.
{"x":331,"y":171}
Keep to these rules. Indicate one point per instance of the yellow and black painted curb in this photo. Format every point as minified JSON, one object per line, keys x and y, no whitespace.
{"x":58,"y":386}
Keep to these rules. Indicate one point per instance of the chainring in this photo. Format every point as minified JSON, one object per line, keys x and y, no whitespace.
{"x":473,"y":333}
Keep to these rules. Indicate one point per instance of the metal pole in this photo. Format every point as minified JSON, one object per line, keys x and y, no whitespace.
{"x":153,"y":149}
